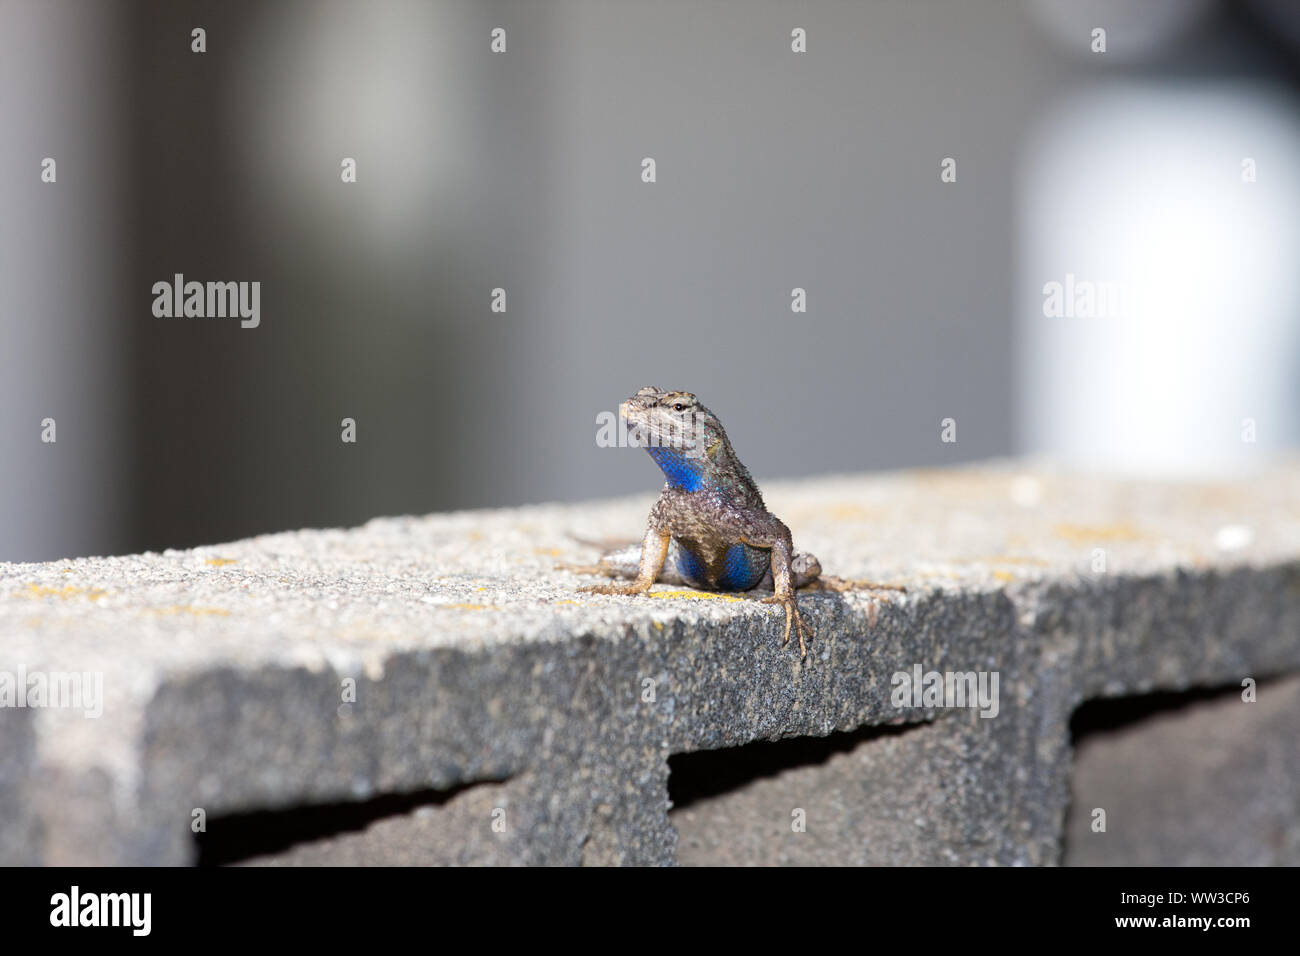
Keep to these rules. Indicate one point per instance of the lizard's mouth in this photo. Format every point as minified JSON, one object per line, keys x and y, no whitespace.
{"x":634,"y":413}
{"x":639,"y":433}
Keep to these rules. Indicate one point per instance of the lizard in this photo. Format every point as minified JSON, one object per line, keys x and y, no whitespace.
{"x":709,"y":529}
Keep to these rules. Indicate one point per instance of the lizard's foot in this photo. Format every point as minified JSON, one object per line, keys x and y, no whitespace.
{"x":856,"y":584}
{"x":792,"y":618}
{"x":625,"y":589}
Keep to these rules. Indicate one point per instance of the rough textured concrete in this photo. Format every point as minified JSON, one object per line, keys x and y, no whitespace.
{"x":475,"y":659}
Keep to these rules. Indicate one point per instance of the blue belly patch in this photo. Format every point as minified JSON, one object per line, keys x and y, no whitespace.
{"x":742,"y":568}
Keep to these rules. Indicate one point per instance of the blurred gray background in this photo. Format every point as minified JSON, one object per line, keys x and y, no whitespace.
{"x":522,"y":170}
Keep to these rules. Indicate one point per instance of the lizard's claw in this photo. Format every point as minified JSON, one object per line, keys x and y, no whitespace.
{"x":792,"y":619}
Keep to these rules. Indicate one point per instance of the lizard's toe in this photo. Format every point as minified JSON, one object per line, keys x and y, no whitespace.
{"x":793,"y":620}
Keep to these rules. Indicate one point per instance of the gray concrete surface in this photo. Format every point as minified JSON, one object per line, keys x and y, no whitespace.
{"x":476,"y":659}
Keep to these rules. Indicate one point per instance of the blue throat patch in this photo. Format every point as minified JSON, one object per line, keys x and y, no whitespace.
{"x":681,"y":470}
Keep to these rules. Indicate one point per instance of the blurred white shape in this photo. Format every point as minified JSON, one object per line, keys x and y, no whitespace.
{"x":1026,"y":491}
{"x":1134,"y":31}
{"x":1138,"y":189}
{"x":1233,"y":537}
{"x":368,"y":82}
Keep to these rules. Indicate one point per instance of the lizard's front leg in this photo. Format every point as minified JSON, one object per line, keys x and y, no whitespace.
{"x":653,"y":551}
{"x":783,"y":585}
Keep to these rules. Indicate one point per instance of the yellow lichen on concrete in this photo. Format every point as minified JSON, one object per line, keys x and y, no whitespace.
{"x":37,"y":591}
{"x":698,"y":595}
{"x":1087,"y":534}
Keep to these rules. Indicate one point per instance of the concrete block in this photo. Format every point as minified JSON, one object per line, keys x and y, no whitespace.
{"x":449,"y":653}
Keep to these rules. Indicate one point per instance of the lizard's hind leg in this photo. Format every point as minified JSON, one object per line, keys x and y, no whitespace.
{"x":649,"y":558}
{"x":619,"y":558}
{"x":622,"y":562}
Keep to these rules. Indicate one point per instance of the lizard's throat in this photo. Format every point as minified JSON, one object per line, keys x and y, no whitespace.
{"x":684,"y":471}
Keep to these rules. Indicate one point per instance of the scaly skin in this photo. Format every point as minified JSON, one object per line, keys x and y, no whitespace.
{"x":710,"y":523}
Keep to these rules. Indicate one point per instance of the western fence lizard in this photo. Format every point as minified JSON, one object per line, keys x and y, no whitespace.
{"x":709,"y":529}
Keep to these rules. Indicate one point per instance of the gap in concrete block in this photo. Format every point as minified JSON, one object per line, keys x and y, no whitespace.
{"x":1198,"y":778}
{"x":704,"y":774}
{"x":739,"y":806}
{"x":237,"y":837}
{"x":1106,"y":714}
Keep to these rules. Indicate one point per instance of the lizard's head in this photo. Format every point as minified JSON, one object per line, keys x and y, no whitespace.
{"x":670,"y":420}
{"x":679,"y":433}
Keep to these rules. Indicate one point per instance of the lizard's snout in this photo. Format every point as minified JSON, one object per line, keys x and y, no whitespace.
{"x":638,"y":402}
